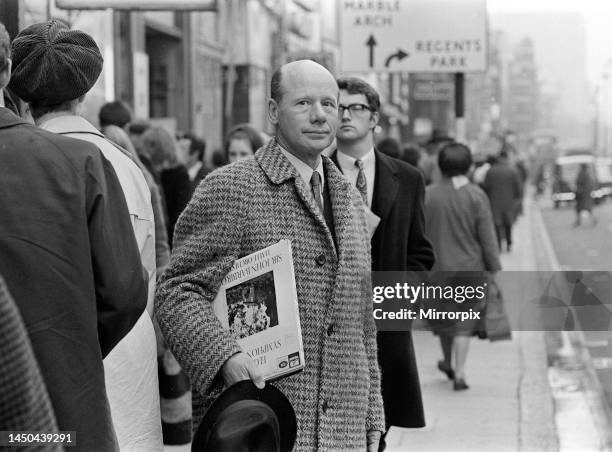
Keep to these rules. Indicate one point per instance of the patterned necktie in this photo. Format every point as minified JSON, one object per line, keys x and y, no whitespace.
{"x":315,"y":185}
{"x":362,"y":183}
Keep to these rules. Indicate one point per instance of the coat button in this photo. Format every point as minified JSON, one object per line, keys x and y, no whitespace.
{"x":320,"y":259}
{"x":325,"y":406}
{"x":330,"y":329}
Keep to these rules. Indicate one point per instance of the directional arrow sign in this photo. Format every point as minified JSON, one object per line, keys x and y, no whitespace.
{"x":371,"y":43}
{"x":413,"y":35}
{"x":400,"y":55}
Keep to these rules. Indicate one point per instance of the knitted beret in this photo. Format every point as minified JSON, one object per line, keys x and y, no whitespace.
{"x":53,"y":64}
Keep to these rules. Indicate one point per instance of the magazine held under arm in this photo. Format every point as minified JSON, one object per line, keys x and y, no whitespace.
{"x":257,"y":303}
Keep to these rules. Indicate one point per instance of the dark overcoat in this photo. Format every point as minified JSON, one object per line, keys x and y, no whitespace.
{"x":503,"y":186}
{"x":70,"y":260}
{"x":584,"y":186}
{"x":399,"y":244}
{"x":247,"y":206}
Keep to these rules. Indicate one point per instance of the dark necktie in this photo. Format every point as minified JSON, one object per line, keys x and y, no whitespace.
{"x":362,"y":183}
{"x":315,"y":185}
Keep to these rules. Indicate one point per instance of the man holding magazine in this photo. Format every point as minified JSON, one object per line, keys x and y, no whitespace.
{"x":287,"y":191}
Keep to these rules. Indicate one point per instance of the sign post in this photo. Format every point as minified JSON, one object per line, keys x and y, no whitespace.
{"x":413,"y":36}
{"x":460,"y":133}
{"x":416,"y":36}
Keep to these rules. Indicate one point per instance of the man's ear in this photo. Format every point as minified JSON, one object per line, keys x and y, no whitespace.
{"x":273,"y":111}
{"x":374,"y":117}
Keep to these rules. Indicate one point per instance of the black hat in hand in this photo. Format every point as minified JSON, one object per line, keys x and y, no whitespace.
{"x":247,"y":419}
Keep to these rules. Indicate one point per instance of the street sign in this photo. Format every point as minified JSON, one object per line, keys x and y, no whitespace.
{"x":413,"y":35}
{"x":140,"y":5}
{"x":433,"y":87}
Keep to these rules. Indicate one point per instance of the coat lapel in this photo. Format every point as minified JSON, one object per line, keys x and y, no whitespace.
{"x":386,"y":186}
{"x":280,"y":170}
{"x":9,"y":119}
{"x":341,"y":199}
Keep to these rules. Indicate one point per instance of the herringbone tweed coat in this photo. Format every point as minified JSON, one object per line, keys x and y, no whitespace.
{"x":24,"y":401}
{"x":245,"y":207}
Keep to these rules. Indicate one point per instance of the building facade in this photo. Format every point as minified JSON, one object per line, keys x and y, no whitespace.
{"x":203,"y":71}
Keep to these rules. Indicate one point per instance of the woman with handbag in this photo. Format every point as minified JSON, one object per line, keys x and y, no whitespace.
{"x":460,"y":227}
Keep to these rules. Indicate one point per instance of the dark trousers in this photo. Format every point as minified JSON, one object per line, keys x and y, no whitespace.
{"x":504,"y":231}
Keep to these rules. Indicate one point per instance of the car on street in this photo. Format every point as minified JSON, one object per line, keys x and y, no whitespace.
{"x":565,"y":171}
{"x":603,"y":166}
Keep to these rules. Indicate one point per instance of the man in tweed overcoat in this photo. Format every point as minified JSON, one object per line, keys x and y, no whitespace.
{"x":24,"y":401}
{"x":252,"y":204}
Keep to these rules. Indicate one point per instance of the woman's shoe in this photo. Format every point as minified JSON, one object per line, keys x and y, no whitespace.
{"x":448,"y":370}
{"x":460,"y":385}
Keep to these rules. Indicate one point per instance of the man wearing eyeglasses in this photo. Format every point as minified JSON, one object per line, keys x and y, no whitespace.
{"x":394,"y":192}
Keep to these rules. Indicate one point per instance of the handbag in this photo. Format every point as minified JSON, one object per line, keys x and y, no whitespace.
{"x":497,"y":325}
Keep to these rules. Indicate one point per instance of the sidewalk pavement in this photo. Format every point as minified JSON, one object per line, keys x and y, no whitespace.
{"x":509,"y":406}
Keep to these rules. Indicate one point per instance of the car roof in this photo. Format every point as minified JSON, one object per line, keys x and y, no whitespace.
{"x":569,"y":159}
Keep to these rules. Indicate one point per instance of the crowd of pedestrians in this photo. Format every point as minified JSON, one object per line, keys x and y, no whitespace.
{"x":114,"y":242}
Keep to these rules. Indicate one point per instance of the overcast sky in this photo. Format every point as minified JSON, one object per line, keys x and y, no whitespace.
{"x":598,"y":19}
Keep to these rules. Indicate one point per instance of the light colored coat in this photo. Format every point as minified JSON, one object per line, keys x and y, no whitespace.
{"x":131,"y":367}
{"x":245,"y":207}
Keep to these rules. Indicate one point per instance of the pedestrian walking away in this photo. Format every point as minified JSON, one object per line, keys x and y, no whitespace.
{"x":584,"y":200}
{"x":503,"y":186}
{"x":461,"y":229}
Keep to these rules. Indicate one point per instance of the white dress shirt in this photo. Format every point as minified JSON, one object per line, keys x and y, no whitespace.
{"x":306,"y":171}
{"x":193,"y":171}
{"x":350,"y":170}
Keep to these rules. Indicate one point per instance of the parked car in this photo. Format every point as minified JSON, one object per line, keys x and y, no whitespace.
{"x":603,"y":166}
{"x":565,"y":172}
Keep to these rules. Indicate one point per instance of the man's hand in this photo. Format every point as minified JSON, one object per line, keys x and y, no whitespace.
{"x":373,"y":437}
{"x":240,"y":367}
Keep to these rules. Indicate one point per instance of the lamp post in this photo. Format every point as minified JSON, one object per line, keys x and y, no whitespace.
{"x":605,"y":113}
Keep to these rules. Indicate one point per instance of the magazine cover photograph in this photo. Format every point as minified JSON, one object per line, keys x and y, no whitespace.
{"x":251,"y":306}
{"x":257,"y":303}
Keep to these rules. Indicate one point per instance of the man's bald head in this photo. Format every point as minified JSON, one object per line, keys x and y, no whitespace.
{"x":295,"y":68}
{"x":304,"y":109}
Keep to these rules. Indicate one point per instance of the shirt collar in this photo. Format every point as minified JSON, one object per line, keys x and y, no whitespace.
{"x":459,"y":181}
{"x":302,"y":168}
{"x":347,"y":162}
{"x":193,"y":171}
{"x":68,"y":124}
